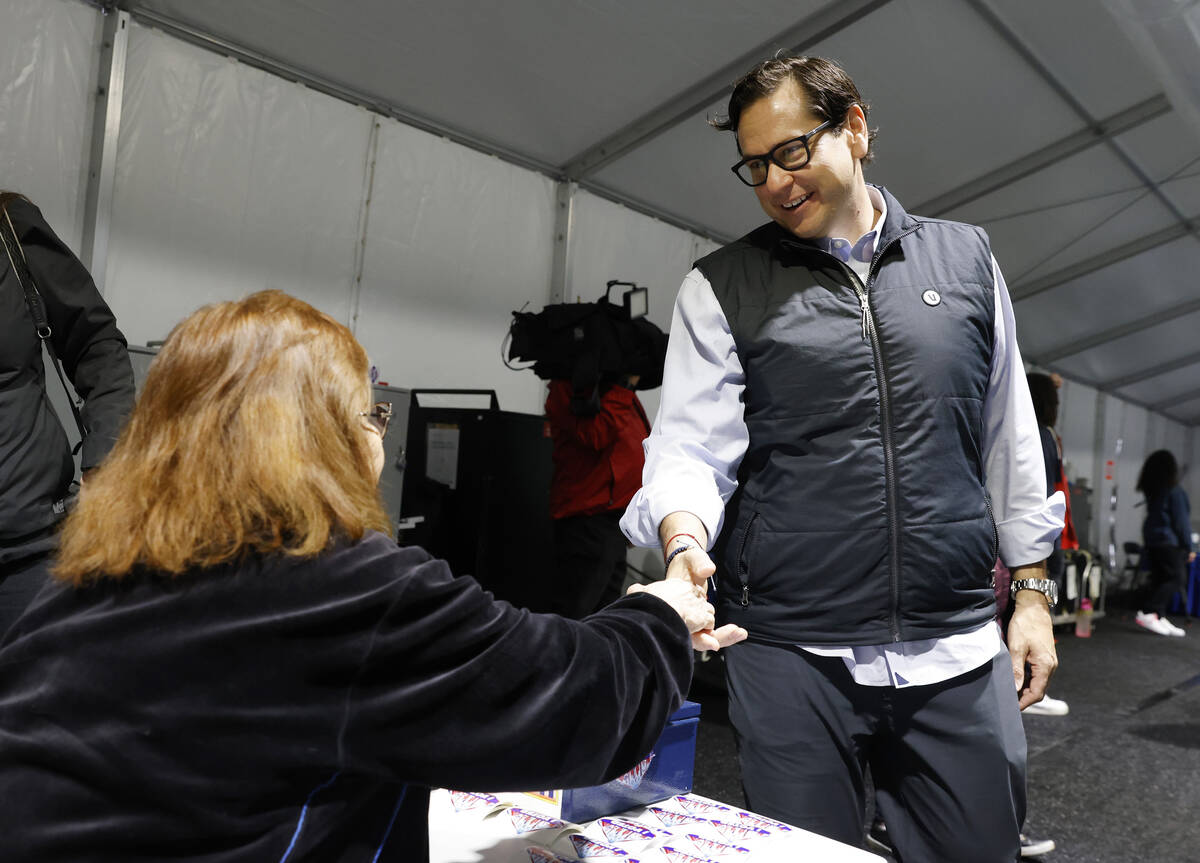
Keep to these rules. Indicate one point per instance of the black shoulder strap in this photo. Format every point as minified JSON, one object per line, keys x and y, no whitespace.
{"x":37,"y":309}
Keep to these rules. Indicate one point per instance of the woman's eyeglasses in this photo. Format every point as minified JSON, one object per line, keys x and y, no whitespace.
{"x":379,"y":416}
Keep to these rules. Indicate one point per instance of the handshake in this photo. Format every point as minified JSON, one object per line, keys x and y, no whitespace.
{"x":684,"y":590}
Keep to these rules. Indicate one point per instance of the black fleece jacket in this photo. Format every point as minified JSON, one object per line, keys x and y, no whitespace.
{"x":232,"y":714}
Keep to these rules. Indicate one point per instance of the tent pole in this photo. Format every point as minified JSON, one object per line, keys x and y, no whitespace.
{"x":106,"y":130}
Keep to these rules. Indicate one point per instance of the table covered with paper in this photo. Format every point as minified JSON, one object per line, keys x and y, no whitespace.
{"x":469,"y":827}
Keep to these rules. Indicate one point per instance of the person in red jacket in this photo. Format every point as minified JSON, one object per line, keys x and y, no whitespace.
{"x":598,"y":462}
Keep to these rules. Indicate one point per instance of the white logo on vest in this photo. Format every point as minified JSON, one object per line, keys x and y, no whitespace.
{"x":931,"y":298}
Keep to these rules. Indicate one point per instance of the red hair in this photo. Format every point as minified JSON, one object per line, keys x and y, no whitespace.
{"x":246,"y":439}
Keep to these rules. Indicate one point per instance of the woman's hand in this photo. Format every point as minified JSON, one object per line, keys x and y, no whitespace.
{"x":697,"y":613}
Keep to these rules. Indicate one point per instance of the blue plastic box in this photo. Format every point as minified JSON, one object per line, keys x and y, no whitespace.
{"x":667,"y":771}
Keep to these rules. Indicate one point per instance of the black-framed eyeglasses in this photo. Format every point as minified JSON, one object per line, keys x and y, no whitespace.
{"x":791,"y":155}
{"x":379,"y":416}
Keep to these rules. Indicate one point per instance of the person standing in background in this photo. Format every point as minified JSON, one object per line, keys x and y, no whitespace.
{"x":1166,"y":538}
{"x":598,"y":462}
{"x":37,"y":470}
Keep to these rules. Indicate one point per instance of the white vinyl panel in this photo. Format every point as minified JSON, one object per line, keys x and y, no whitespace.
{"x":456,"y":241}
{"x":1076,"y":427}
{"x":1104,"y":228}
{"x":685,"y":171}
{"x":1189,"y":411}
{"x":1039,"y":215}
{"x":1126,"y":355}
{"x":1128,"y":424}
{"x":1184,"y":193}
{"x":546,"y":79}
{"x":1166,"y":146}
{"x":1165,"y":388}
{"x":1168,"y":149}
{"x":1162,"y":432}
{"x":229,"y":181}
{"x":1085,"y":48}
{"x":1142,"y":216}
{"x":1153,"y":281}
{"x":613,"y":242}
{"x":49,"y":55}
{"x":950,"y":98}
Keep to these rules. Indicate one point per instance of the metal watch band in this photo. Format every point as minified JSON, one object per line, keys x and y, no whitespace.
{"x":1041,"y":585}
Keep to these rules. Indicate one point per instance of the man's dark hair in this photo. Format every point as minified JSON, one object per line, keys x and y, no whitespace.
{"x":1045,"y":398}
{"x":1159,"y":473}
{"x":827,"y":88}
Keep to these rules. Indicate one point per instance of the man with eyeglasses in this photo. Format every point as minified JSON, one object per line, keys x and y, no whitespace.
{"x":846,"y":430}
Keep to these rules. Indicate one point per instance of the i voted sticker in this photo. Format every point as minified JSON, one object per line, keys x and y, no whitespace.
{"x":931,"y":297}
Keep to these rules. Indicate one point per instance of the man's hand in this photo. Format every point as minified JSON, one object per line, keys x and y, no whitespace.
{"x":695,"y":567}
{"x":1031,"y":641}
{"x":695,"y":610}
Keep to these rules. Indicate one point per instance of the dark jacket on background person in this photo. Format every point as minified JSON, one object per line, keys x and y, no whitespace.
{"x":861,"y":515}
{"x":1168,"y":520}
{"x":598,"y":459}
{"x":301,"y":709}
{"x":36,"y":467}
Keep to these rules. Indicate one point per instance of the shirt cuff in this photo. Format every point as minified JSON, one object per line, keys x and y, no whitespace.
{"x":647,"y":510}
{"x":1029,"y":538}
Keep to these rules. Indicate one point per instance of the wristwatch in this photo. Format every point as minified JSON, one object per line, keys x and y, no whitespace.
{"x":1042,"y":585}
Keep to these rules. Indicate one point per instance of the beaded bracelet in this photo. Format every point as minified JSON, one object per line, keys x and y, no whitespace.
{"x":680,"y":550}
{"x":667,"y":544}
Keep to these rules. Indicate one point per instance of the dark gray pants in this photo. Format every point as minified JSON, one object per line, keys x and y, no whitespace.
{"x":948,"y":760}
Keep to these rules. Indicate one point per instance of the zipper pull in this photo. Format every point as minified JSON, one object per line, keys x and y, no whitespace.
{"x":862,"y":300}
{"x":745,"y":595}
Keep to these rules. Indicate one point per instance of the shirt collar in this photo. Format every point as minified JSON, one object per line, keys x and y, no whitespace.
{"x":864,"y":249}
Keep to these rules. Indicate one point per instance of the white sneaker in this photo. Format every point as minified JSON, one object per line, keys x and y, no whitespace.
{"x":1153,"y":622}
{"x":1035,"y":847}
{"x":1048,"y":707}
{"x":1172,"y":629}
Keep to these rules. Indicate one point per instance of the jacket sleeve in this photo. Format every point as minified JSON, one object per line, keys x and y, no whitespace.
{"x":462,"y":691}
{"x":84,"y":332}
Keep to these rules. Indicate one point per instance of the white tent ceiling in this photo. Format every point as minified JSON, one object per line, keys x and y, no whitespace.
{"x":1040,"y":121}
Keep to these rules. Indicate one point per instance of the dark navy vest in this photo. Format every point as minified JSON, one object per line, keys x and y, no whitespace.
{"x":861,"y":515}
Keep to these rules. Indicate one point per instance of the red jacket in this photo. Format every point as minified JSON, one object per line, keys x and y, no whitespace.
{"x":598,"y":460}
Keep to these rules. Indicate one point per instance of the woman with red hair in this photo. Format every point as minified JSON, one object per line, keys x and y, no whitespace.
{"x":236,"y":663}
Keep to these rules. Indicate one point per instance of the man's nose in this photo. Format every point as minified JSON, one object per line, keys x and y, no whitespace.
{"x":777,"y":177}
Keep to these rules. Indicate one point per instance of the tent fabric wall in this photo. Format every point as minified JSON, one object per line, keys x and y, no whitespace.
{"x":48,"y":63}
{"x":455,"y":241}
{"x":228,"y":181}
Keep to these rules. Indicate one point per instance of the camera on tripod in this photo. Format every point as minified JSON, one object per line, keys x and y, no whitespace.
{"x":592,"y":345}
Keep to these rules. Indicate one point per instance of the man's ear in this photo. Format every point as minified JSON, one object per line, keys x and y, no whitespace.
{"x":856,"y":128}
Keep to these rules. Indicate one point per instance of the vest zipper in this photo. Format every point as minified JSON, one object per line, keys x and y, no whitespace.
{"x":885,"y":423}
{"x":987,"y":500}
{"x":743,"y":568}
